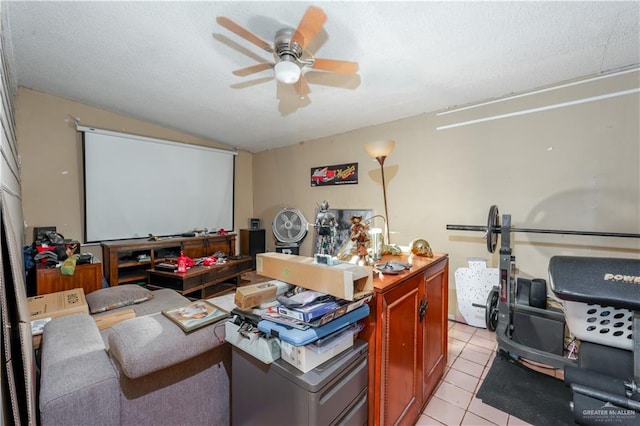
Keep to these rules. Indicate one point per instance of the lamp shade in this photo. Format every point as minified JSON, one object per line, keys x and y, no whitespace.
{"x":287,"y":72}
{"x":380,"y":148}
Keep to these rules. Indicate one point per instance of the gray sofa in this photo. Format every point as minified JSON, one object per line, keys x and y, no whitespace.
{"x":141,"y":371}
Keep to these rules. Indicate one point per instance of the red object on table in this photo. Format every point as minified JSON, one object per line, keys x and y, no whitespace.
{"x":212,"y":260}
{"x":182,"y":263}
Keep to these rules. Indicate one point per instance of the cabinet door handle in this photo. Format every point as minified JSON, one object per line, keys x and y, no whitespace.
{"x":422,"y":309}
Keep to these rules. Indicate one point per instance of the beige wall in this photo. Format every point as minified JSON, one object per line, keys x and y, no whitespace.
{"x":575,"y":167}
{"x":51,"y":154}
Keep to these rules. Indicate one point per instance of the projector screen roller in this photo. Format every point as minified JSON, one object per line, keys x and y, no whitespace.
{"x":136,"y":186}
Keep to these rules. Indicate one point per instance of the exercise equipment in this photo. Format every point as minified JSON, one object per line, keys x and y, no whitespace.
{"x":601,"y":298}
{"x":493,"y":229}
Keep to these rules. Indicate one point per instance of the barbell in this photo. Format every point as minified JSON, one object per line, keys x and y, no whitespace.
{"x":493,"y":228}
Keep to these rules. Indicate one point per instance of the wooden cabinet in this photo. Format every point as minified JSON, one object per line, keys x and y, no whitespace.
{"x":407,"y":335}
{"x":127,"y":261}
{"x":401,"y":351}
{"x":87,"y":276}
{"x":435,"y":326}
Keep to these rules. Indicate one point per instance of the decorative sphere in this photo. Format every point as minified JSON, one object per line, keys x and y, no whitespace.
{"x":421,"y":247}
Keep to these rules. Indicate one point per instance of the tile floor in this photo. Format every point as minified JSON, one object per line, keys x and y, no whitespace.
{"x":454,"y":402}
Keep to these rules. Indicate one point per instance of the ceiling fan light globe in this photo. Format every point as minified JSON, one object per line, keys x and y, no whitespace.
{"x":287,"y":72}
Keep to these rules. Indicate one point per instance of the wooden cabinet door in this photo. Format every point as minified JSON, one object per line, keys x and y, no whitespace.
{"x":226,"y":244}
{"x":193,"y":248}
{"x":435,"y":328}
{"x":402,"y":336}
{"x":86,"y":276}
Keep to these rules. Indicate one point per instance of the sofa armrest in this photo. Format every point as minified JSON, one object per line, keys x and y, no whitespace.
{"x":151,"y":343}
{"x":78,"y":383}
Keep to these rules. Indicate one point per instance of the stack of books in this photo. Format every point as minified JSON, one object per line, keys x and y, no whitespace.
{"x":315,"y":332}
{"x":314,"y":314}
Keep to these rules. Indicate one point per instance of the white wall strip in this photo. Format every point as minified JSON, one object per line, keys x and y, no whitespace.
{"x":539,"y":109}
{"x":148,"y":139}
{"x":535,"y":92}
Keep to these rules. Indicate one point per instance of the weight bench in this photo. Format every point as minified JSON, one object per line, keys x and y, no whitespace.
{"x":601,"y":298}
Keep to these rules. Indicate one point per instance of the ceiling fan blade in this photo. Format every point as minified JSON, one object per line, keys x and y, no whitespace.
{"x":245,"y":84}
{"x":253,"y":69}
{"x":302,"y":88}
{"x":311,"y":23}
{"x":241,"y":48}
{"x":245,"y":34}
{"x":334,"y":65}
{"x":332,"y":79}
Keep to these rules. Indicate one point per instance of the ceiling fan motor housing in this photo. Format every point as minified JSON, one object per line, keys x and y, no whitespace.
{"x":284,"y":46}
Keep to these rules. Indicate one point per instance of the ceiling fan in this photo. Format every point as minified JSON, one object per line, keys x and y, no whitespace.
{"x":289,"y":51}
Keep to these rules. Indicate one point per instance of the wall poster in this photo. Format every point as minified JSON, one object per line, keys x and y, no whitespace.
{"x":341,"y":174}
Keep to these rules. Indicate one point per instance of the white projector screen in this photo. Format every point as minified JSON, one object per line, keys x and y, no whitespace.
{"x":136,"y":186}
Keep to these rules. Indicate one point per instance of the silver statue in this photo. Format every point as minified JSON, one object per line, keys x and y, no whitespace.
{"x":325,"y":225}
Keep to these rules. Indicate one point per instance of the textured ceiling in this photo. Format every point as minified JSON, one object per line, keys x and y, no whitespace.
{"x":170,"y":63}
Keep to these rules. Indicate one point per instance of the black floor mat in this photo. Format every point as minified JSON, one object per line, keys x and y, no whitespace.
{"x":531,"y":396}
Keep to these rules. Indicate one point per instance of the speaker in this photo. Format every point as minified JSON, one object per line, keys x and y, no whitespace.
{"x":538,"y":293}
{"x":523,"y":287}
{"x":252,"y":242}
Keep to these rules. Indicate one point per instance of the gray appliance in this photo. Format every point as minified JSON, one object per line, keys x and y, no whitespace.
{"x":334,"y":393}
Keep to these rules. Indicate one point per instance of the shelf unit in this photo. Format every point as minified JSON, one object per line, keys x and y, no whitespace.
{"x":127,"y":261}
{"x":200,"y":282}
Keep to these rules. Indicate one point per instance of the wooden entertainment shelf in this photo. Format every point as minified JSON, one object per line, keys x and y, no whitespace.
{"x":127,"y":261}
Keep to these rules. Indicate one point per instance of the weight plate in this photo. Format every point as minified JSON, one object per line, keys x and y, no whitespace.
{"x":493,"y":228}
{"x":491,"y":313}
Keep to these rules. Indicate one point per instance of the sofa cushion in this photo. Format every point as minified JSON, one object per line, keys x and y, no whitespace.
{"x":116,"y":297}
{"x":164,"y":298}
{"x":143,"y":345}
{"x":78,"y":384}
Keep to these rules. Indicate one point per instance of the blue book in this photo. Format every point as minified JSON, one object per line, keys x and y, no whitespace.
{"x":308,"y":313}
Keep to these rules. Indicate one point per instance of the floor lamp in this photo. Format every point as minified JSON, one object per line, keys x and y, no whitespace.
{"x":380,"y":150}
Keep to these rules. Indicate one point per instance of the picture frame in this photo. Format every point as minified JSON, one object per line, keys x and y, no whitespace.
{"x":195,"y":315}
{"x":343,"y":229}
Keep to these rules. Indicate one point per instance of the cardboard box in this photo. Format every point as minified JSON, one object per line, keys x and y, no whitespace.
{"x":254,"y":295}
{"x":111,"y":319}
{"x":306,"y":358}
{"x":343,"y":280}
{"x":59,"y":304}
